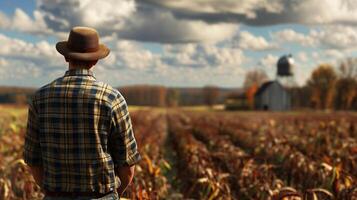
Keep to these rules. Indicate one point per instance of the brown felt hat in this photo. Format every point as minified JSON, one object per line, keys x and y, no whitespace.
{"x":83,"y":44}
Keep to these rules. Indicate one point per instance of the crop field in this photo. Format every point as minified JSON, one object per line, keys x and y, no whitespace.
{"x":218,"y":155}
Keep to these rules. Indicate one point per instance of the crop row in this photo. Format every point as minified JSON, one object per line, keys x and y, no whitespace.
{"x":265,"y":144}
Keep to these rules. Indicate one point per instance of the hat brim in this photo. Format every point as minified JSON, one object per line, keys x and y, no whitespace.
{"x":63,"y":49}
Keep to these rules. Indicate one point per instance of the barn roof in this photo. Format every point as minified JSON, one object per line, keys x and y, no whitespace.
{"x":264,"y":86}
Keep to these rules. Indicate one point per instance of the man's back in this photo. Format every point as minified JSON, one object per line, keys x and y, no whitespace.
{"x":79,"y":130}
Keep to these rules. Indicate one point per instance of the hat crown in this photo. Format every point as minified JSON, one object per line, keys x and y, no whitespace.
{"x":83,"y":39}
{"x":82,"y":44}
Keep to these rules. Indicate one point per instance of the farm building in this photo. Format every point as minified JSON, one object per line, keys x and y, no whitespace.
{"x":272,"y":96}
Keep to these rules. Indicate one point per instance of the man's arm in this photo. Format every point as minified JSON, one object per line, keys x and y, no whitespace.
{"x":125,"y":174}
{"x":122,"y":144}
{"x":32,"y":148}
{"x":37,"y":173}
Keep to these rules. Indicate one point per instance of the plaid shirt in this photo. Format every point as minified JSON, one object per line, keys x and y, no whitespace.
{"x":79,"y":130}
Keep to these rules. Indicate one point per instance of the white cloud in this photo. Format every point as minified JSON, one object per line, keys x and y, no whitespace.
{"x":302,"y":56}
{"x":334,"y":54}
{"x":289,"y":35}
{"x":196,"y":25}
{"x":269,"y":61}
{"x":202,"y":55}
{"x":129,"y":19}
{"x":131,"y":55}
{"x":19,"y":72}
{"x":18,"y":48}
{"x":3,"y":62}
{"x":129,"y":63}
{"x":179,"y":64}
{"x":61,"y":15}
{"x":315,"y":55}
{"x":3,"y":67}
{"x":4,"y":21}
{"x":20,"y":60}
{"x":160,"y":25}
{"x":247,"y":8}
{"x":187,"y":21}
{"x":329,"y":36}
{"x":265,"y":12}
{"x":20,"y":21}
{"x":338,"y":37}
{"x":248,"y":41}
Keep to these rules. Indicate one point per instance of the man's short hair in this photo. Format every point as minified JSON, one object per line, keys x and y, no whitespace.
{"x":82,"y":63}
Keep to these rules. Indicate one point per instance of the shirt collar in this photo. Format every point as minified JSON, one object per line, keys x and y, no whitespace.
{"x":79,"y":72}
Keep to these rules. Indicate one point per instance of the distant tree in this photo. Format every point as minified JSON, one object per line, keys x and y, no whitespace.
{"x":211,"y":94}
{"x":348,"y":68}
{"x":346,"y":86}
{"x":346,"y":93}
{"x":255,"y":77}
{"x":250,"y":94}
{"x":322,"y":85}
{"x":173,"y":96}
{"x":298,"y":97}
{"x":144,"y":95}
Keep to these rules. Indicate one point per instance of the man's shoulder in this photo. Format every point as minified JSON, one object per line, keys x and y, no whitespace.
{"x":114,"y":96}
{"x":45,"y":88}
{"x":98,"y":88}
{"x":107,"y":92}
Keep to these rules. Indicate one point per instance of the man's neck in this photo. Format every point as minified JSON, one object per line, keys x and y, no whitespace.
{"x":72,"y":67}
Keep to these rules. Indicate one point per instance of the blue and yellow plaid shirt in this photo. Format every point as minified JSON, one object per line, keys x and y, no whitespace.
{"x":79,"y":130}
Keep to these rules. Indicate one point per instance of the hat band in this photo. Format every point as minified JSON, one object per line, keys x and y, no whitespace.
{"x":82,"y":49}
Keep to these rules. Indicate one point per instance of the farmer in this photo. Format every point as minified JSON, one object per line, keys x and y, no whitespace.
{"x":79,"y":133}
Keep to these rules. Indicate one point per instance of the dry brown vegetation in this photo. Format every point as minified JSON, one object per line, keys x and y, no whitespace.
{"x":210,"y":155}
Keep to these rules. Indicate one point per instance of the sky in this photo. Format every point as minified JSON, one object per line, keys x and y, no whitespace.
{"x":180,"y":43}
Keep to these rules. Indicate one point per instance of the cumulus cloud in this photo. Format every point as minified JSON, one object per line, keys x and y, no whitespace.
{"x":4,"y":20}
{"x":302,"y":56}
{"x":244,"y":8}
{"x":264,"y":12}
{"x":130,"y":20}
{"x":40,"y":53}
{"x":269,"y":61}
{"x":202,"y":55}
{"x":201,"y":37}
{"x":338,"y":37}
{"x":183,"y":21}
{"x":329,"y":36}
{"x":61,"y":15}
{"x":128,"y":63}
{"x":247,"y":41}
{"x":289,"y":35}
{"x":27,"y":64}
{"x":333,"y":53}
{"x":131,"y":55}
{"x":160,"y":25}
{"x":15,"y":71}
{"x":177,"y":64}
{"x":22,"y":22}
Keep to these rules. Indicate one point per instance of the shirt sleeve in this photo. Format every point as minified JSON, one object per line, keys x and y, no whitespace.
{"x":32,"y":149}
{"x":122,"y":144}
